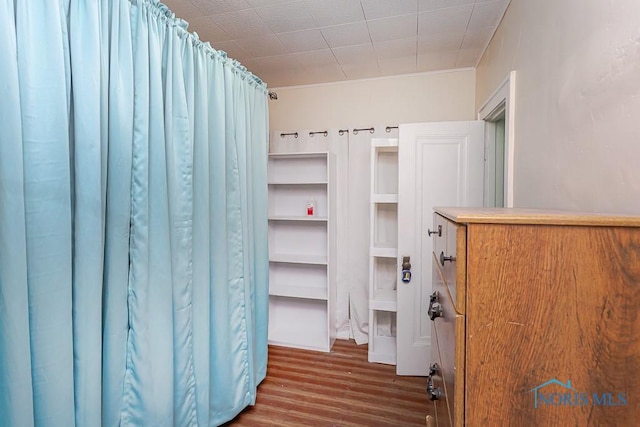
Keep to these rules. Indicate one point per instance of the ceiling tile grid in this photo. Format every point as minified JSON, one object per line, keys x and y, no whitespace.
{"x":304,"y":40}
{"x":297,"y":42}
{"x":356,"y":33}
{"x":397,"y":27}
{"x":376,"y":9}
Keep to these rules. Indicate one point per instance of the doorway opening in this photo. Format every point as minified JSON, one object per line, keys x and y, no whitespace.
{"x":498,"y":113}
{"x":494,"y":162}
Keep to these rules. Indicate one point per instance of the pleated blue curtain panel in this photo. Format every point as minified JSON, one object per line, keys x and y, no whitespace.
{"x":133,"y":231}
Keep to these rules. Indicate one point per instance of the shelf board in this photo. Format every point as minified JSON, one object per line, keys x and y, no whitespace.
{"x":321,"y":182}
{"x":299,"y":259}
{"x":297,"y":218}
{"x":384,"y":300}
{"x":384,"y":198}
{"x":298,"y":292}
{"x":299,"y":154}
{"x":383,"y":252}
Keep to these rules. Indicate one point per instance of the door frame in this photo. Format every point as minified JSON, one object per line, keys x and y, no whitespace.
{"x":501,"y":100}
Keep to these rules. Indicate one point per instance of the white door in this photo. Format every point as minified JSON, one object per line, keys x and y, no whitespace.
{"x":440,"y":164}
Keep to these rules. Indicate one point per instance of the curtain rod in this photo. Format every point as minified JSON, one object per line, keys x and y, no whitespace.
{"x":340,"y":131}
{"x":294,"y":134}
{"x":371,"y":130}
{"x":323,"y":132}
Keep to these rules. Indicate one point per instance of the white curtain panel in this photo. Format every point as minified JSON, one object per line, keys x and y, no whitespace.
{"x":339,"y":145}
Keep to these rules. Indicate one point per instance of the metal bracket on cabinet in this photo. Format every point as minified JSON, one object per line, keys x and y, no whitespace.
{"x":435,"y":309}
{"x":439,"y":232}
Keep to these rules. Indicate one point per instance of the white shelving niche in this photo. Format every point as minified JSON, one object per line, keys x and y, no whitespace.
{"x":302,"y":248}
{"x":383,"y":250}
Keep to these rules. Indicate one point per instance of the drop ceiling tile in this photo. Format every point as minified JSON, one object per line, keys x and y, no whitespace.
{"x":250,"y":63}
{"x":334,"y":12}
{"x":216,"y":7}
{"x":281,"y":78}
{"x":272,"y":80}
{"x":440,"y":42}
{"x":454,"y":19}
{"x":361,"y":70}
{"x":401,"y":65}
{"x":287,"y":42}
{"x":183,"y":9}
{"x":280,"y":63}
{"x":477,"y":39}
{"x":376,"y":9}
{"x":355,"y":54}
{"x":440,"y":61}
{"x":301,"y":41}
{"x":291,"y":16}
{"x":241,"y":24}
{"x":352,"y":34}
{"x":319,"y":58}
{"x":323,"y":73}
{"x":399,"y":27}
{"x":468,"y":57}
{"x":232,"y":49}
{"x":262,"y":3}
{"x":265,"y":45}
{"x":207,"y":30}
{"x":321,"y":77}
{"x":426,"y":5}
{"x":487,"y":14}
{"x":396,"y":48}
{"x":252,"y":67}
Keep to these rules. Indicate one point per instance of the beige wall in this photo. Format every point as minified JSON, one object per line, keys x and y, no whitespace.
{"x":393,"y":100}
{"x":577,"y":130}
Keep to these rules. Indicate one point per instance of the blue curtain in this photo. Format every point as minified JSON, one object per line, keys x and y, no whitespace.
{"x":133,"y":233}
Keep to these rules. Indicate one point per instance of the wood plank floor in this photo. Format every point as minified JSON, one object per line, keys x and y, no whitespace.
{"x":340,"y":388}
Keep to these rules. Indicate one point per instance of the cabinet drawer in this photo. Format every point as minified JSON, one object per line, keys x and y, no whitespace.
{"x":450,"y":258}
{"x":439,"y":233}
{"x":448,"y":349}
{"x":435,"y":387}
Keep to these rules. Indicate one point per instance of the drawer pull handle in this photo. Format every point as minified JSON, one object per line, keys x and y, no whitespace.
{"x":439,"y":232}
{"x":435,"y":309}
{"x":443,"y":258}
{"x":435,"y":393}
{"x":434,"y":296}
{"x":433,"y":369}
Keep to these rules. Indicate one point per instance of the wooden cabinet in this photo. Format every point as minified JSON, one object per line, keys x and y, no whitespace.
{"x":302,"y":239}
{"x":383,"y":250}
{"x":535,"y":318}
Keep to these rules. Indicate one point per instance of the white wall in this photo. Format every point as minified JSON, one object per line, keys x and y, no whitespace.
{"x":577,"y":130}
{"x":390,"y":101}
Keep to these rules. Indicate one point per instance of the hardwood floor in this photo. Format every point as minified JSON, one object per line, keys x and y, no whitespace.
{"x":340,"y":388}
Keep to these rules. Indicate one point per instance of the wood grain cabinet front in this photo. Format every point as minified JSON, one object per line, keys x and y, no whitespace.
{"x":540,"y":325}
